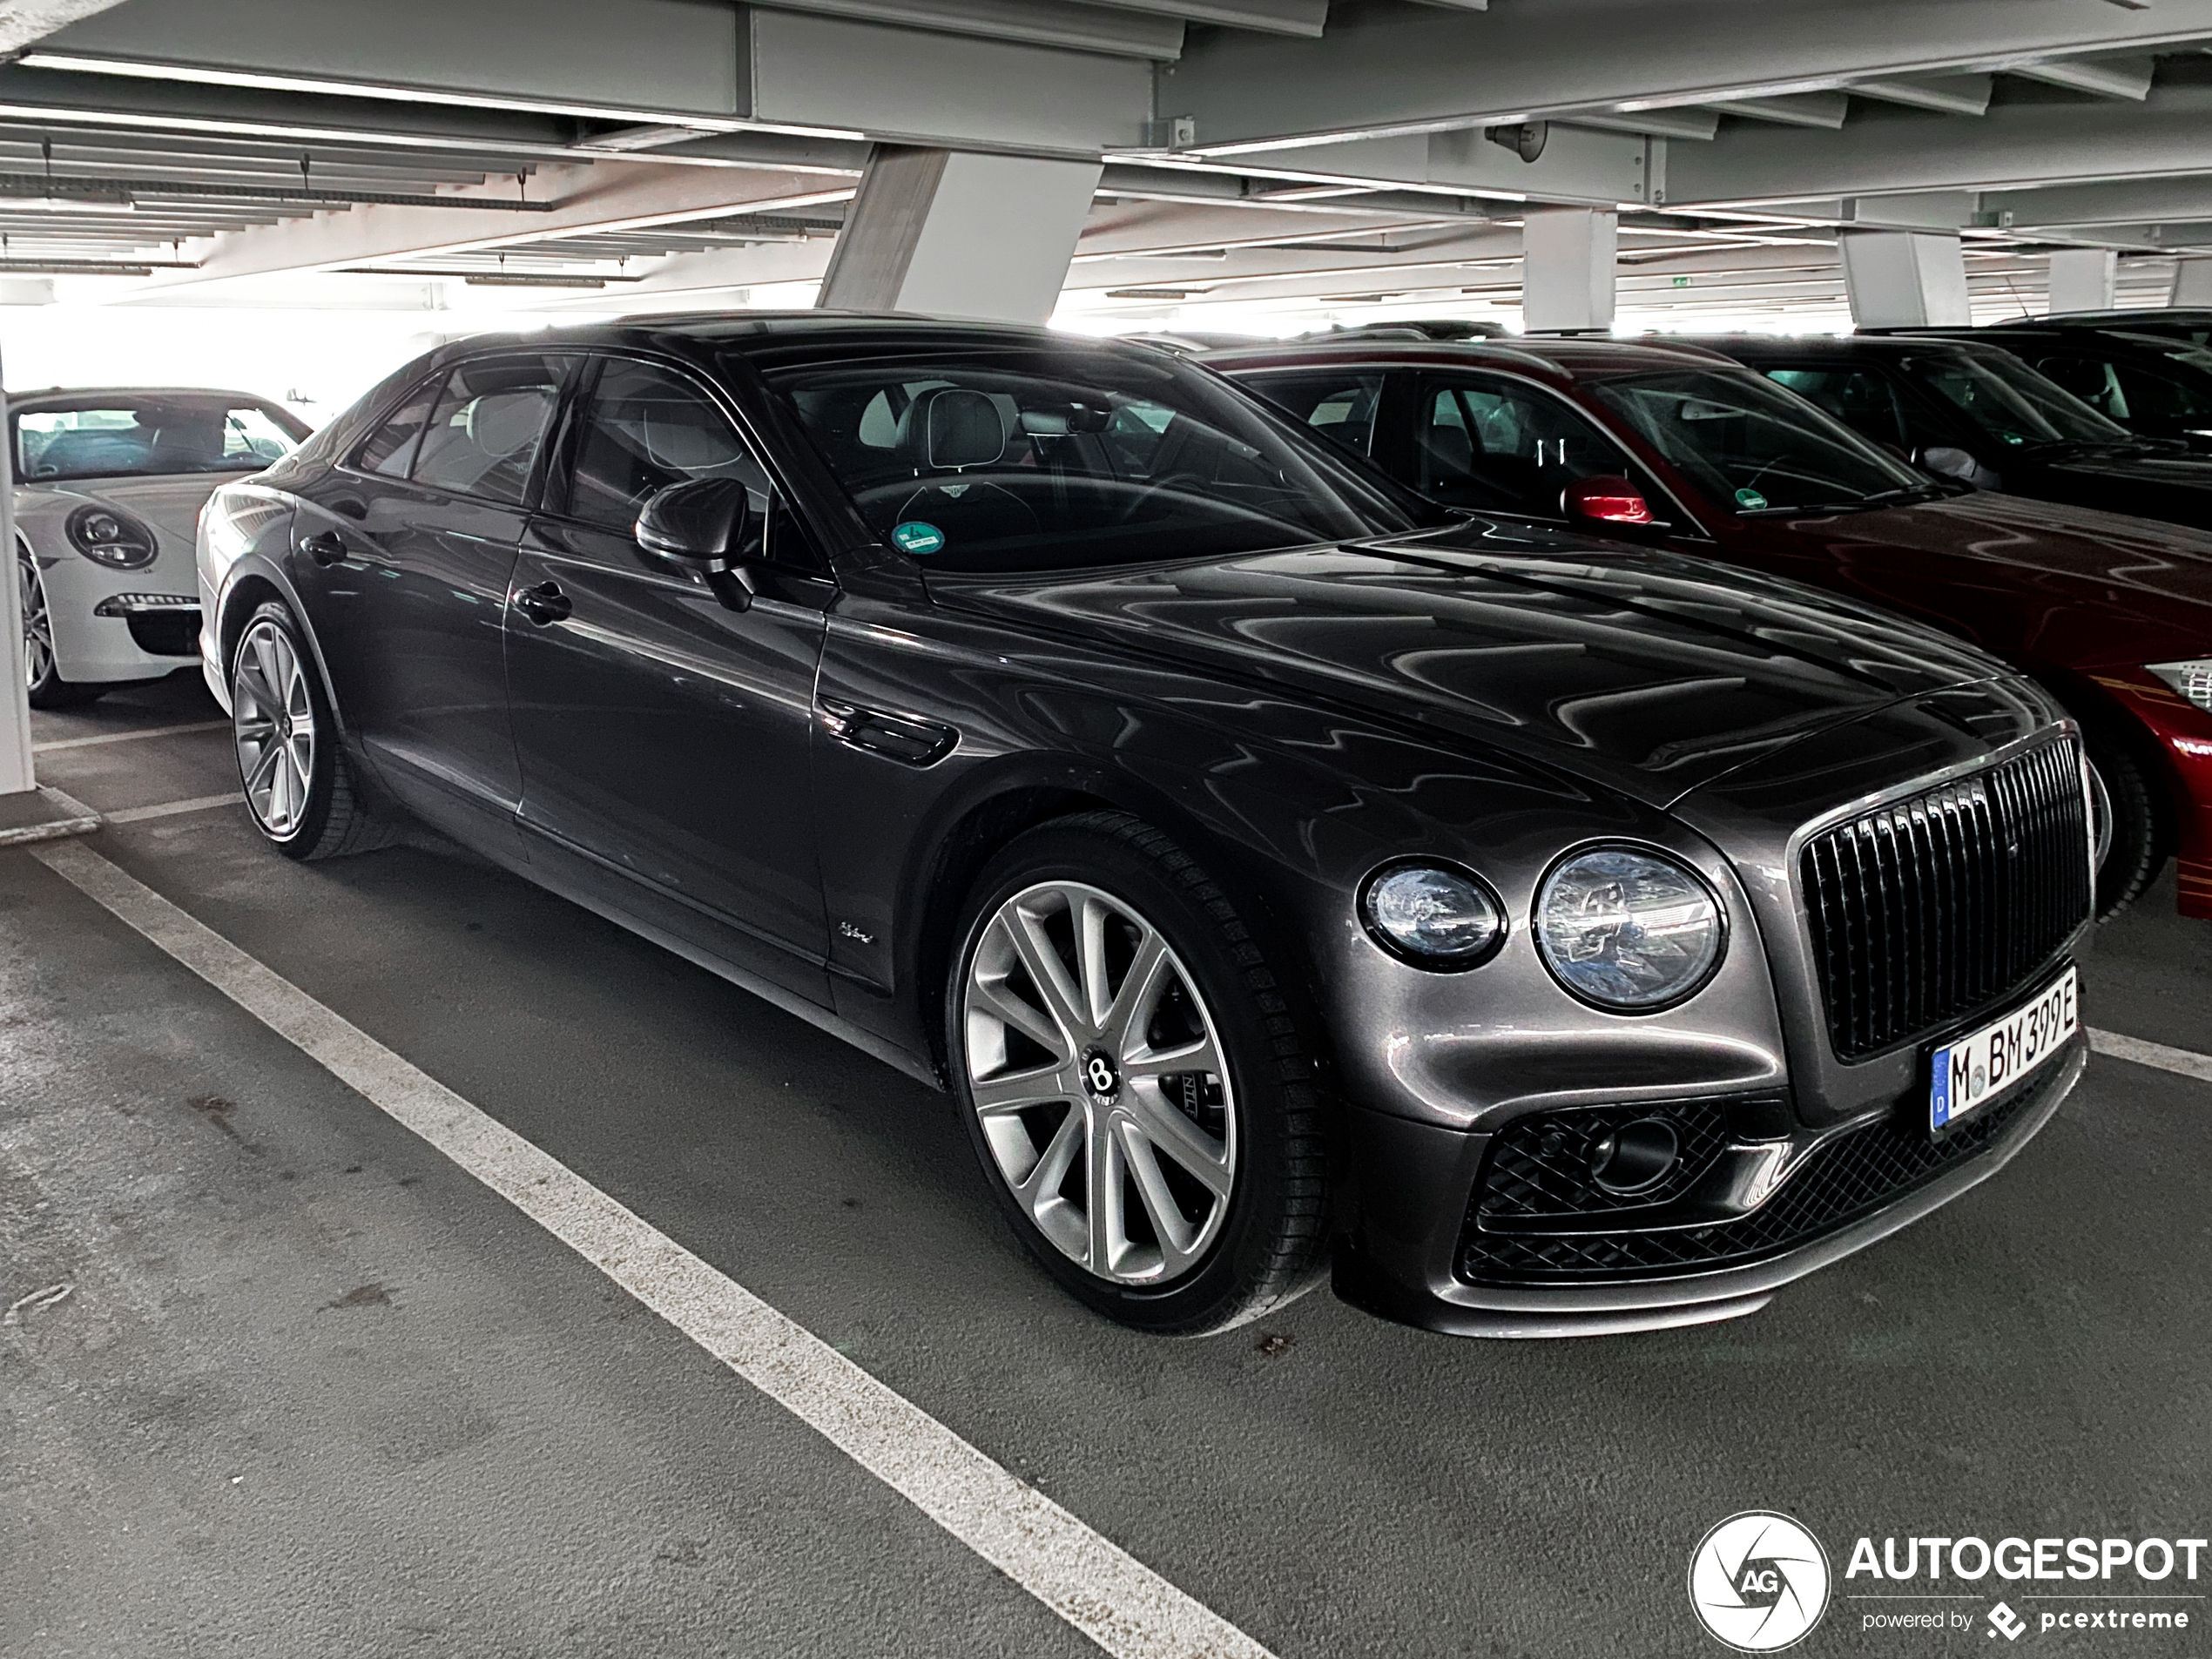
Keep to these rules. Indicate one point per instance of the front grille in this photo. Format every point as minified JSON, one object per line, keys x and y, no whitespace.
{"x":1849,"y":1178}
{"x":1925,"y":910}
{"x":166,"y":633}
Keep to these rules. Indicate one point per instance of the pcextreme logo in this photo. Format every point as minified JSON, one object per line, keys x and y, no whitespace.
{"x":1759,"y":1582}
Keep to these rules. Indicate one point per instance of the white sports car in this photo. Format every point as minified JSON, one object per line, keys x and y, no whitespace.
{"x":109,"y":485}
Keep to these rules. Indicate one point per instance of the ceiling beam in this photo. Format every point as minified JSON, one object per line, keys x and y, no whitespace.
{"x":1390,"y":68}
{"x":1944,"y":94}
{"x":2133,"y":201}
{"x":1305,"y":18}
{"x":1792,"y":110}
{"x":1148,"y":31}
{"x":2128,"y":78}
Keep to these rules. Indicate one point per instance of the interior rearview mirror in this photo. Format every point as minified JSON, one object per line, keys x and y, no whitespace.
{"x":701,"y":524}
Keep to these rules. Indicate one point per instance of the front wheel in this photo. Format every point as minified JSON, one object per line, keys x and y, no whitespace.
{"x":1134,"y":1080}
{"x":299,"y":786}
{"x":2130,"y":832}
{"x":42,"y":671}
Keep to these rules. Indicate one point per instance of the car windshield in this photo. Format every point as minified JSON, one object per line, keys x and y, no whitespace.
{"x":2011,"y":402}
{"x":1035,"y":458}
{"x":1753,"y":447}
{"x":117,"y":437}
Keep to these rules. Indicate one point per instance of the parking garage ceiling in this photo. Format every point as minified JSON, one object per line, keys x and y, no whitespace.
{"x":1258,"y":151}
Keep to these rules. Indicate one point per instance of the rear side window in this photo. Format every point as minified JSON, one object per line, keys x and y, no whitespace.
{"x":483,"y":437}
{"x":390,"y":449}
{"x":1336,"y":405}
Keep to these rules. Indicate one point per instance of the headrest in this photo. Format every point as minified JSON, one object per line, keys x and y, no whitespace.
{"x":501,"y":423}
{"x":950,"y":427}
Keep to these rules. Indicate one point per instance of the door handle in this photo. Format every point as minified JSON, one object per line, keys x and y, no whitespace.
{"x":546,"y":603}
{"x":325,"y":548}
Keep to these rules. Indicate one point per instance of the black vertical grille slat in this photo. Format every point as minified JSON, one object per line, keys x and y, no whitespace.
{"x":1924,"y":910}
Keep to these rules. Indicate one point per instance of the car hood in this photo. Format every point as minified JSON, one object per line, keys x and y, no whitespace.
{"x":170,"y":503}
{"x":1639,"y":670}
{"x":2076,"y":586}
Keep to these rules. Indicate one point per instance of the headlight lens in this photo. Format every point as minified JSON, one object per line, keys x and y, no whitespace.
{"x":2192,"y":679}
{"x":107,"y":535}
{"x":1629,"y":929}
{"x":1431,"y":916}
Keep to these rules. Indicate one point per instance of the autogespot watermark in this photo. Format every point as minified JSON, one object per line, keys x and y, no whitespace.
{"x":1760,"y":1581}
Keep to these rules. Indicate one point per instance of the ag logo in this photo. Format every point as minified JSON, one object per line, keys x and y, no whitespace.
{"x":1758,"y":1582}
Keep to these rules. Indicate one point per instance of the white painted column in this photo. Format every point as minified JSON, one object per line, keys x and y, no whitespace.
{"x":2083,"y":279}
{"x":1904,"y":279}
{"x":16,"y":775}
{"x":1567,"y":256}
{"x":953,"y":233}
{"x":2192,"y":283}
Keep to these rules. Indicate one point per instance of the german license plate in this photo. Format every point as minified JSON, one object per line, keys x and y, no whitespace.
{"x":1965,"y":1076}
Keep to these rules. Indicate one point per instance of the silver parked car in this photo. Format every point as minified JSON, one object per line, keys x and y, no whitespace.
{"x":109,"y":485}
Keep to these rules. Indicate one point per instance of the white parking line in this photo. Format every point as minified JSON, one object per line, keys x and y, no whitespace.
{"x":1091,"y":1581}
{"x":171,"y":808}
{"x":52,"y":744}
{"x":2144,"y":1053}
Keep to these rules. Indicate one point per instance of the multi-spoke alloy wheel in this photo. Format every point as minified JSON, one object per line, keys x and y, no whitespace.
{"x":273,"y":721}
{"x":38,"y":623}
{"x":1101,"y":1083}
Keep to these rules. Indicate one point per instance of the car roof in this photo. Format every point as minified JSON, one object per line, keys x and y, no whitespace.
{"x":2193,"y":314}
{"x":1560,"y":358}
{"x":52,"y":397}
{"x":1841,"y":347}
{"x":764,"y":330}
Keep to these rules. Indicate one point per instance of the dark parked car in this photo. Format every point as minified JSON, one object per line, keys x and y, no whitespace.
{"x":2156,"y":380}
{"x":1562,"y":936}
{"x":1677,"y":444}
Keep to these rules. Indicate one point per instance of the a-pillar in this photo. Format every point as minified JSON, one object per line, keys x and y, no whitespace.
{"x":952,"y":233}
{"x":1567,"y":256}
{"x":2083,"y":279}
{"x":1904,"y":279}
{"x":2192,"y":283}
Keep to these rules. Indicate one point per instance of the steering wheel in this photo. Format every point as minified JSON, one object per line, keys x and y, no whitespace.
{"x":1169,"y":483}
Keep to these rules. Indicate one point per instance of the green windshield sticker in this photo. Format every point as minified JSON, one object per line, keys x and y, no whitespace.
{"x":1750,"y":499}
{"x":915,"y":537}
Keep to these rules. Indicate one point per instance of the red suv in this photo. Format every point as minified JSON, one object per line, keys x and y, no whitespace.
{"x":1677,"y":444}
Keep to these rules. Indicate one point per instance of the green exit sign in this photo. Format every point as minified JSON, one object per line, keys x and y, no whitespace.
{"x":1681,"y":282}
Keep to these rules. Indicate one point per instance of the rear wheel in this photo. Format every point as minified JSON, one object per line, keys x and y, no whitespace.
{"x":299,"y":784}
{"x":42,"y":671}
{"x":1134,"y":1080}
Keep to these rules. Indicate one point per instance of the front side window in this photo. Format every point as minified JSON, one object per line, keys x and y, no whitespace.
{"x":483,"y":437}
{"x":2163,"y":400}
{"x":1862,"y":401}
{"x":1028,"y":457}
{"x":2010,"y":401}
{"x":1335,"y":405}
{"x":645,"y":427}
{"x":151,"y":436}
{"x":1753,"y":446}
{"x":1490,"y":444}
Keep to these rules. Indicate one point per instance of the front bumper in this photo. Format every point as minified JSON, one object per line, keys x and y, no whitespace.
{"x":1417,"y":1254}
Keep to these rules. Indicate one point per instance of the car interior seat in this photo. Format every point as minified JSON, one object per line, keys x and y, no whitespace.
{"x":947,"y":433}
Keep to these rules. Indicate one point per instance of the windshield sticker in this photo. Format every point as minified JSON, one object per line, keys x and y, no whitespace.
{"x":915,"y":537}
{"x":1750,"y":500}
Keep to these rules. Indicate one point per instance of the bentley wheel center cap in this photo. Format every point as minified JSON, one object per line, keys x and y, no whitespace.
{"x":1101,"y":1078}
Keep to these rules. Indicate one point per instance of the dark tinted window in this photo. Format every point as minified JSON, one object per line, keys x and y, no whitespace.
{"x":1032,"y":457}
{"x":1336,"y":405}
{"x":2010,"y":401}
{"x":1862,"y":401}
{"x":1491,"y":444}
{"x":1751,"y":446}
{"x":390,"y":449}
{"x":2163,"y":400}
{"x":646,"y":428}
{"x":151,"y":436}
{"x":491,"y":420}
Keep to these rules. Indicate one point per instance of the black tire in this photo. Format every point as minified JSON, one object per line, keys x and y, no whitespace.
{"x":2138,"y":841}
{"x":336,"y":817}
{"x":43,"y":684}
{"x":1271,"y":1243}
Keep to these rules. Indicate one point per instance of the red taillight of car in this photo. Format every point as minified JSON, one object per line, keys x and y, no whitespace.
{"x":1613,"y":501}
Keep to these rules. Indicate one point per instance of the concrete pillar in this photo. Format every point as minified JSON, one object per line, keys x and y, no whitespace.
{"x":1567,"y":256}
{"x":956,"y":235}
{"x":16,"y":775}
{"x":2082,"y":278}
{"x":2192,"y":283}
{"x":1904,"y":279}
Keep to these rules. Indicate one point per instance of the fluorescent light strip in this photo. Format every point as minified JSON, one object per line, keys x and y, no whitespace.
{"x":402,"y":94}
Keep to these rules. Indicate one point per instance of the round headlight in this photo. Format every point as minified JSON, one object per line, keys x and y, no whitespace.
{"x":1629,"y":929}
{"x":1431,"y":916}
{"x":108,"y":536}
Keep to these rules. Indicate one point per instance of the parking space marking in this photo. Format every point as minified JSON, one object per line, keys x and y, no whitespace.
{"x":1097,"y":1587}
{"x":54,"y":743}
{"x":2144,"y":1053}
{"x":171,"y":808}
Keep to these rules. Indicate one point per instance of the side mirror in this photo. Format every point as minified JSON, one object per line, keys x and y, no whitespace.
{"x":701,"y":524}
{"x":1608,"y":499}
{"x":1947,"y":462}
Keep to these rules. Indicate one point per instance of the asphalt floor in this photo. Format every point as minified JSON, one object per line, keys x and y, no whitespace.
{"x":313,"y":1390}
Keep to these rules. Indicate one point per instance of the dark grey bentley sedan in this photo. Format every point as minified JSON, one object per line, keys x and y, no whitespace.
{"x":1281,"y":874}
